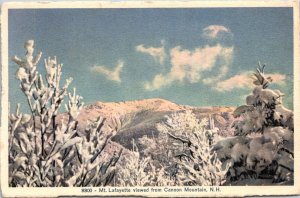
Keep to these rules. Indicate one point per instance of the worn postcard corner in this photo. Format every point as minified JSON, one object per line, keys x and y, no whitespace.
{"x":152,"y":99}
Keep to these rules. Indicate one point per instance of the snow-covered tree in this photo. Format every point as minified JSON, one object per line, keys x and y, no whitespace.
{"x":43,"y":152}
{"x":197,"y":164}
{"x":263,"y":146}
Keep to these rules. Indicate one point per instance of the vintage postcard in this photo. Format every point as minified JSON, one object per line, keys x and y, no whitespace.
{"x":153,"y":99}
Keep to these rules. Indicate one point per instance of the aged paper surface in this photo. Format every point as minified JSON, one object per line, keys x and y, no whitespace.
{"x":189,"y":99}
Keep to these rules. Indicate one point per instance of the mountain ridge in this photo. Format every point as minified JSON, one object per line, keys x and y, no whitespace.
{"x":134,"y":119}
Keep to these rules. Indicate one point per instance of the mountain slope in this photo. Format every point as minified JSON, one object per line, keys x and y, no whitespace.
{"x":134,"y":119}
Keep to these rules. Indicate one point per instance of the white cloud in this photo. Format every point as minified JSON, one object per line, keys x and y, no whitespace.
{"x":158,"y":53}
{"x":223,"y":71}
{"x":277,"y":78}
{"x":244,"y":80}
{"x":214,"y":31}
{"x":193,"y":66}
{"x":113,"y":74}
{"x":189,"y":65}
{"x":238,"y":81}
{"x":158,"y":81}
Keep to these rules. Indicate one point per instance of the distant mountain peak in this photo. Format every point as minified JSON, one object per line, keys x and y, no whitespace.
{"x":154,"y":104}
{"x":139,"y":117}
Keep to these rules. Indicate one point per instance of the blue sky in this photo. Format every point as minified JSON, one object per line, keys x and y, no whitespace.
{"x":199,"y":57}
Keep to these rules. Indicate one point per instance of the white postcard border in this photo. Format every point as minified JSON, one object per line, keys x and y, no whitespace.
{"x":67,"y":191}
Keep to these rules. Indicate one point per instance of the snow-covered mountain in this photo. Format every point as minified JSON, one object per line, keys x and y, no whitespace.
{"x":134,"y":119}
